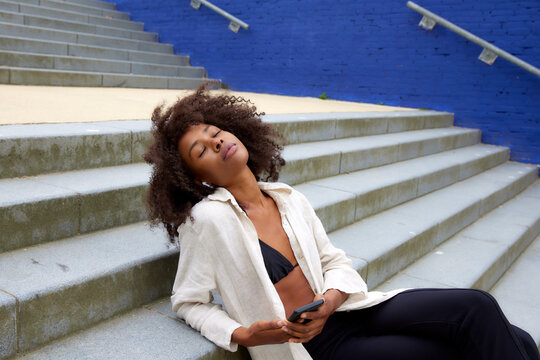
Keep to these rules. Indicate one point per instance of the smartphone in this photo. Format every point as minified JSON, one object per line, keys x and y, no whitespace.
{"x":309,"y":307}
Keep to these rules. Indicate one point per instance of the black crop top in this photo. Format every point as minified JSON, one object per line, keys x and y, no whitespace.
{"x":277,"y":265}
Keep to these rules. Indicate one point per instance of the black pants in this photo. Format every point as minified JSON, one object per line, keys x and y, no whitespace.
{"x":425,"y":324}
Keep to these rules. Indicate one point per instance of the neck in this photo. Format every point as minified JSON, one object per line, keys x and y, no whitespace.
{"x":246,"y":191}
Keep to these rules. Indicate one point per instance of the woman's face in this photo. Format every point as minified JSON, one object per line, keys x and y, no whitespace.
{"x":213,"y":155}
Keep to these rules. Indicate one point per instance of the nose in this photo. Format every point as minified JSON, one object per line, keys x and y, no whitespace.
{"x":216,"y":144}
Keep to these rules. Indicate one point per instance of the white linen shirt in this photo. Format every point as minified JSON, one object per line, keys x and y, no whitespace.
{"x":219,"y":249}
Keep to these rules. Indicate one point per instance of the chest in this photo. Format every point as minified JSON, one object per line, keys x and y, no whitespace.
{"x":269,"y":227}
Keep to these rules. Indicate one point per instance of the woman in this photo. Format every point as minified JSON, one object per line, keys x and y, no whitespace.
{"x":262,"y":247}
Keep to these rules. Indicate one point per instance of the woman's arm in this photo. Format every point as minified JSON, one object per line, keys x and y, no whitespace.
{"x":192,"y":298}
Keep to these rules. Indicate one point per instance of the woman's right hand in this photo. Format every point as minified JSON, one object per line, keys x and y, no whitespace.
{"x":261,"y":333}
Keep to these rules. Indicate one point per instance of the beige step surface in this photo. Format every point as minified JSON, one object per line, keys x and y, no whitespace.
{"x":22,"y":104}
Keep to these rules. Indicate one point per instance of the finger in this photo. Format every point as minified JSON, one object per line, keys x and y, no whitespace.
{"x":305,"y":333}
{"x":278,"y":335}
{"x":297,"y":327}
{"x":303,"y":339}
{"x":268,"y":325}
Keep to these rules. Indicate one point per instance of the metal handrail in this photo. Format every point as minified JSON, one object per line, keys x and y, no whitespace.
{"x":490,"y":52}
{"x":235,"y":22}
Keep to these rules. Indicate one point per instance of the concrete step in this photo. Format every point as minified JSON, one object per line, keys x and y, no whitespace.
{"x":79,"y":146}
{"x":68,"y":285}
{"x":71,"y":146}
{"x":94,"y":3}
{"x":101,"y":198}
{"x":477,"y":256}
{"x":517,"y":291}
{"x":88,"y":278}
{"x":151,"y":332}
{"x":56,"y":13}
{"x":49,"y":207}
{"x":32,"y":76}
{"x":78,"y":50}
{"x":311,"y":161}
{"x":385,"y":243}
{"x":303,"y":128}
{"x":41,"y":33}
{"x":383,"y":187}
{"x":154,"y":332}
{"x":94,"y":8}
{"x":73,"y":25}
{"x":57,"y":62}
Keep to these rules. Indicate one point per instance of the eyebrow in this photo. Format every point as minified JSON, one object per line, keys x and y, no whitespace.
{"x":196,"y":142}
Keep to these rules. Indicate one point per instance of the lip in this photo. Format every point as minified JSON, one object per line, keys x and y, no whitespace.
{"x":229,"y":150}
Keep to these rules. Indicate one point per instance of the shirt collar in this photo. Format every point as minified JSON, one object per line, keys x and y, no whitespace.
{"x":222,"y":194}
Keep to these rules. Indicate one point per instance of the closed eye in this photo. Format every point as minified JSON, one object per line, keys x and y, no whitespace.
{"x":204,"y":149}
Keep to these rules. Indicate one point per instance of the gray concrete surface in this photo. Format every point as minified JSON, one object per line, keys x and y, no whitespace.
{"x":8,"y":325}
{"x":310,"y":161}
{"x":50,"y":207}
{"x":145,"y":333}
{"x":78,"y":146}
{"x":9,"y":14}
{"x":71,"y":284}
{"x":66,"y":147}
{"x":477,"y":256}
{"x":382,"y":187}
{"x":393,"y":239}
{"x":517,"y":291}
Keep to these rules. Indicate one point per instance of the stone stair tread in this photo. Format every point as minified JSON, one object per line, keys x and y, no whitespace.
{"x":96,"y":3}
{"x":328,"y":158}
{"x":68,"y":130}
{"x":74,"y":129}
{"x":517,"y":291}
{"x":144,"y":333}
{"x":122,"y":176}
{"x":26,"y":17}
{"x":79,"y":38}
{"x":351,"y":144}
{"x":81,"y":8}
{"x":464,"y":259}
{"x":42,"y":187}
{"x":53,"y":47}
{"x":78,"y":190}
{"x":96,"y":340}
{"x":313,"y":127}
{"x":89,"y":181}
{"x":375,"y":178}
{"x":74,"y":72}
{"x":56,"y":13}
{"x":47,"y":267}
{"x":380,"y":240}
{"x":382,"y":187}
{"x":53,"y":58}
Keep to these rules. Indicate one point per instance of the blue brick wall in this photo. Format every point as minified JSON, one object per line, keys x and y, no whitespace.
{"x":371,"y":52}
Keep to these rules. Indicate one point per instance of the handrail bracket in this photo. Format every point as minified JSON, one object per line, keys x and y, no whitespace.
{"x":196,"y":4}
{"x":235,"y":23}
{"x":427,"y":23}
{"x":488,"y":56}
